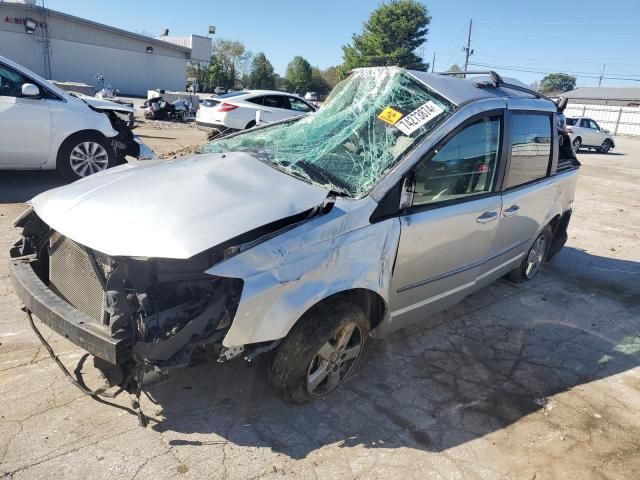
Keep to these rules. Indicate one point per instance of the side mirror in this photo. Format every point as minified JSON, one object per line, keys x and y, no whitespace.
{"x":30,"y":90}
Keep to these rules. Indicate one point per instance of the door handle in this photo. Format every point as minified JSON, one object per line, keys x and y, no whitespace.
{"x":487,"y":217}
{"x":511,"y":211}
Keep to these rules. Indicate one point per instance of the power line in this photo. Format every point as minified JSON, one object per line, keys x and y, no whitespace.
{"x":548,"y":34}
{"x":529,"y":59}
{"x":543,"y":72}
{"x":572,"y":72}
{"x":517,"y":22}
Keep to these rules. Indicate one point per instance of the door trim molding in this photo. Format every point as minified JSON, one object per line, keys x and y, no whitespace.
{"x":457,"y":289}
{"x":464,"y":268}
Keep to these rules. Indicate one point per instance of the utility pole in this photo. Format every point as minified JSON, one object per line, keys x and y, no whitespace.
{"x":433,"y":62}
{"x":467,"y":50}
{"x":601,"y":75}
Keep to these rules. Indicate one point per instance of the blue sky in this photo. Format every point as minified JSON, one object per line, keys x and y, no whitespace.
{"x":540,"y":36}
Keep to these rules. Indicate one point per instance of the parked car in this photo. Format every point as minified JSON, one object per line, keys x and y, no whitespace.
{"x":45,"y":128}
{"x":586,"y":133}
{"x":237,"y":110}
{"x":219,"y":91}
{"x":311,"y":96}
{"x":404,"y":194}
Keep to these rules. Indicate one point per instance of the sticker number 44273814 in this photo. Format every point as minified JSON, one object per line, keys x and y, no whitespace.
{"x":420,"y":116}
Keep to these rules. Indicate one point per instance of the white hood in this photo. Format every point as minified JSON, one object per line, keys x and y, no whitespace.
{"x":101,"y":104}
{"x":174,"y":209}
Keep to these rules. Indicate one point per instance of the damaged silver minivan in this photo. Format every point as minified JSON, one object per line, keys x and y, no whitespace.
{"x":403,"y":194}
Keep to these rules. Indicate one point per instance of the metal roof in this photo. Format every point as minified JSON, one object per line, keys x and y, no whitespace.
{"x":150,"y":40}
{"x":605,"y":93}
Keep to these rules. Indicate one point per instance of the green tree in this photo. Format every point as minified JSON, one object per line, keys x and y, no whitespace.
{"x":318,"y":83}
{"x":456,"y":68}
{"x":232,"y":61}
{"x":390,"y":37}
{"x":261,"y":75}
{"x":330,"y":76}
{"x":557,"y":83}
{"x":299,"y":74}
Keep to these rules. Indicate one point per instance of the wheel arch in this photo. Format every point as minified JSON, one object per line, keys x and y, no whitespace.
{"x":88,"y":131}
{"x":372,"y":304}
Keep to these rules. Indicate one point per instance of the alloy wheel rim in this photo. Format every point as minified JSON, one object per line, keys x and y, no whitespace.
{"x":335,"y":361}
{"x":605,"y":147}
{"x":88,"y":158}
{"x":576,"y":145}
{"x":536,"y":256}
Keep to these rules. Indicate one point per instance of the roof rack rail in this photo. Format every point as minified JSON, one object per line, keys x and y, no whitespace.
{"x":497,"y":81}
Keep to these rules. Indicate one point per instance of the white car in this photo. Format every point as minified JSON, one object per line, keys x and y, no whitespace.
{"x":586,"y":133}
{"x":237,"y":110}
{"x":45,"y":128}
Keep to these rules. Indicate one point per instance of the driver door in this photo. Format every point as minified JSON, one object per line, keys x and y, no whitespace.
{"x":25,"y":123}
{"x":448,"y":232}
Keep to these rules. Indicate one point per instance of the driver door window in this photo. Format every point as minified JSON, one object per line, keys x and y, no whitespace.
{"x":465,"y":166}
{"x":11,"y":82}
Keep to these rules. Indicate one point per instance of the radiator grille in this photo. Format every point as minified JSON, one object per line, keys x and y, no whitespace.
{"x":72,"y":276}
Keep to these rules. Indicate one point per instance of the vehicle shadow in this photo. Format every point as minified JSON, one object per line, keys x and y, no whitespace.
{"x":596,"y":152}
{"x":475,"y":369}
{"x":18,"y":186}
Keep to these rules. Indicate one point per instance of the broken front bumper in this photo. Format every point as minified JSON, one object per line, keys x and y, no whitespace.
{"x":64,"y":319}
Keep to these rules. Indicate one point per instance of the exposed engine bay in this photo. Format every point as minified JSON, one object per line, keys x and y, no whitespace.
{"x":163,"y":308}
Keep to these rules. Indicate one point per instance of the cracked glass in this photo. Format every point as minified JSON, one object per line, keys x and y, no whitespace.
{"x":364,"y":127}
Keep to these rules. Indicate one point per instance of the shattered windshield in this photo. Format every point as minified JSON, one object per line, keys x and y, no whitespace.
{"x":367,"y":123}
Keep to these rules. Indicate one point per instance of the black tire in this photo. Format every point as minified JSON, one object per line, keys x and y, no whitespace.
{"x":577,"y":143}
{"x":251,"y":124}
{"x":64,"y":160}
{"x":523,"y":273}
{"x":606,"y":146}
{"x":299,"y":355}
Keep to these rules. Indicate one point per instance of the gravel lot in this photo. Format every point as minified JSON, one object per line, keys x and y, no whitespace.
{"x":534,"y":381}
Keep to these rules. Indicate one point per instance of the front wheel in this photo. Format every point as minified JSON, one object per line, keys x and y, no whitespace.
{"x":84,"y":154}
{"x":320,"y":352}
{"x":577,"y":143}
{"x":533,"y":260}
{"x":606,"y":146}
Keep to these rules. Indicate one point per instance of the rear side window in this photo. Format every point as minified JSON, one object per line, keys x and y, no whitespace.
{"x":209,"y":103}
{"x":256,"y":100}
{"x":276,"y":101}
{"x":530,"y":148}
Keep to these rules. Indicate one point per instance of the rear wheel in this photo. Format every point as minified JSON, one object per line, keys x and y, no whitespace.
{"x":84,"y":154}
{"x":251,"y":124}
{"x":533,"y":260}
{"x":606,"y":146}
{"x":577,"y":143}
{"x":320,"y":352}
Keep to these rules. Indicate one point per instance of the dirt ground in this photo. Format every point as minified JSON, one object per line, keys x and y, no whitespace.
{"x":534,"y":381}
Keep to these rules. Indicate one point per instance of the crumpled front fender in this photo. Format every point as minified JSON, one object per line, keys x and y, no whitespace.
{"x":288,"y":274}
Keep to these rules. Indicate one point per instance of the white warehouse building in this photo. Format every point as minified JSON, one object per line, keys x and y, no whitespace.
{"x":65,"y":48}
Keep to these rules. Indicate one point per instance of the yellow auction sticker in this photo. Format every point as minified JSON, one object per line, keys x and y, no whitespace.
{"x":390,"y":116}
